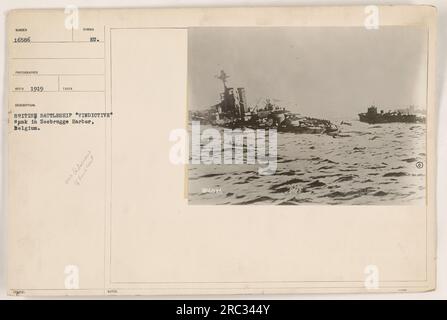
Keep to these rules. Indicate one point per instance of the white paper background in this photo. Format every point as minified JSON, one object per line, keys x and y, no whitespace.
{"x":440,"y":293}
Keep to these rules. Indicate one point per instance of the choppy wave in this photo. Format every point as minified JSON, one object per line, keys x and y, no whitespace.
{"x":365,"y":165}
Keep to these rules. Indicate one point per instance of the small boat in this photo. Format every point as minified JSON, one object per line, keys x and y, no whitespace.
{"x":372,"y":116}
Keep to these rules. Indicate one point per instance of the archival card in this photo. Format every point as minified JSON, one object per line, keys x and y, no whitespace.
{"x":221,"y":150}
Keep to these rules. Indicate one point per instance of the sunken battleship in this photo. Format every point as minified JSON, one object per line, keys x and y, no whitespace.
{"x":234,"y":112}
{"x":409,"y":115}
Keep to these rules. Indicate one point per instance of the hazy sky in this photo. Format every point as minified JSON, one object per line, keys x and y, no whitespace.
{"x":324,"y":72}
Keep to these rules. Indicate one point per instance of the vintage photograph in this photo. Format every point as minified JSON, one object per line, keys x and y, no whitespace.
{"x":307,"y":115}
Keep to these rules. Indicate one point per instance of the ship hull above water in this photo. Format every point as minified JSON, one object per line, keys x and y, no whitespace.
{"x":300,"y":129}
{"x":390,"y":118}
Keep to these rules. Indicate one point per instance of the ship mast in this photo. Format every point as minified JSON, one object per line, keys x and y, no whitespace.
{"x":223,"y":76}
